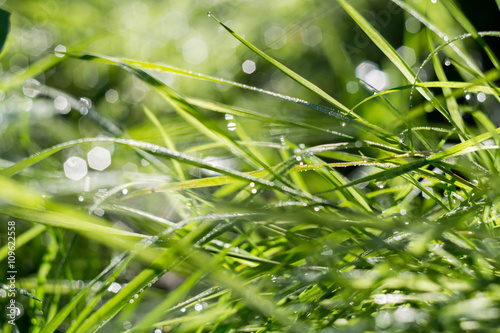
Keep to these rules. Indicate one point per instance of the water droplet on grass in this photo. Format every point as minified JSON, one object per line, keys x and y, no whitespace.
{"x":58,"y":49}
{"x":32,"y":88}
{"x":209,"y":14}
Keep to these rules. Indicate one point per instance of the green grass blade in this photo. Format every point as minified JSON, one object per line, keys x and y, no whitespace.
{"x":304,"y":82}
{"x":4,"y":27}
{"x":464,"y":21}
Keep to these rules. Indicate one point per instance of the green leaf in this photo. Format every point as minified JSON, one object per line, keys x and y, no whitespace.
{"x":4,"y":28}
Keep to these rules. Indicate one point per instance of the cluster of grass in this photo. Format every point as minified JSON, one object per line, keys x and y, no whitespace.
{"x":266,"y":212}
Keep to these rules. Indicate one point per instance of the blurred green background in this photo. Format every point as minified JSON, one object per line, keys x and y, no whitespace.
{"x":317,"y":39}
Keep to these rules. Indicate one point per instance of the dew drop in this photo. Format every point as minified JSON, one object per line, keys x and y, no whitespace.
{"x":32,"y":88}
{"x":209,"y":14}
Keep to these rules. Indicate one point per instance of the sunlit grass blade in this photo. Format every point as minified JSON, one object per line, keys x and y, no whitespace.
{"x":304,"y":82}
{"x":55,"y":322}
{"x":168,"y":142}
{"x":22,"y":239}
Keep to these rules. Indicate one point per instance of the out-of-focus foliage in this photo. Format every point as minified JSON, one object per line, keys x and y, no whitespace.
{"x":307,"y":166}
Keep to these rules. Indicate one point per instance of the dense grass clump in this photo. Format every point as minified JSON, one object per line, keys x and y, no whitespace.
{"x":321,"y":169}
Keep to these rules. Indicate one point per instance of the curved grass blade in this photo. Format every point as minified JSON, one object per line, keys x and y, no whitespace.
{"x":22,"y":239}
{"x":217,"y":107}
{"x":408,"y":7}
{"x":4,"y":28}
{"x":159,"y":150}
{"x":474,"y":86}
{"x":199,"y":120}
{"x":340,"y":115}
{"x":344,"y":110}
{"x":396,"y":59}
{"x":467,"y":25}
{"x":459,"y":149}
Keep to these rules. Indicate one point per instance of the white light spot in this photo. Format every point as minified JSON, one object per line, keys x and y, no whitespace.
{"x":405,"y":315}
{"x":412,"y":25}
{"x":402,"y":211}
{"x":352,"y":87}
{"x":99,"y":158}
{"x":312,"y":36}
{"x":111,"y":96}
{"x":273,"y":37}
{"x":174,"y":24}
{"x":408,"y":55}
{"x":231,"y":126}
{"x":114,"y":287}
{"x":61,"y":104}
{"x":378,"y":79}
{"x":254,"y":190}
{"x":195,"y":51}
{"x":198,"y":307}
{"x":32,"y":88}
{"x":60,"y":48}
{"x":248,"y":66}
{"x":75,"y":168}
{"x":228,"y":117}
{"x":369,"y":73}
{"x":481,"y":97}
{"x":364,"y":68}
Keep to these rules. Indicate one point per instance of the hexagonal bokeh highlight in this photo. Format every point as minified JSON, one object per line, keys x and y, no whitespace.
{"x":75,"y":168}
{"x":99,"y":158}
